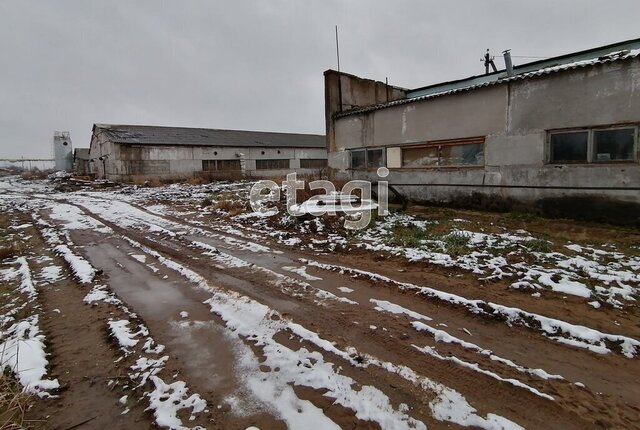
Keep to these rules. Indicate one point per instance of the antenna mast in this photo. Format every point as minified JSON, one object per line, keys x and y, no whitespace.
{"x":337,"y":49}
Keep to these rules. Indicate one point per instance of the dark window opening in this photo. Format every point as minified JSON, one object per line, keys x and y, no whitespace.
{"x":358,"y":159}
{"x":375,"y":158}
{"x":615,"y":144}
{"x":272,"y":164}
{"x":313,"y":163}
{"x":571,"y":146}
{"x":220,"y":165}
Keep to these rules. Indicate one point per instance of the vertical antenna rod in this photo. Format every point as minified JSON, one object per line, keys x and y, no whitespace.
{"x":337,"y":49}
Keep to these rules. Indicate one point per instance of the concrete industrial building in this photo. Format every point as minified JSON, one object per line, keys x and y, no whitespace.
{"x":81,"y":162}
{"x":559,"y":136}
{"x":128,"y":152}
{"x":62,"y":151}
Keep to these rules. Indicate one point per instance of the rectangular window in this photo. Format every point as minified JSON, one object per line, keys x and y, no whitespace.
{"x":224,"y":165}
{"x":358,"y":159}
{"x":456,"y":155}
{"x":425,"y":156}
{"x":375,"y":158}
{"x":227,"y":165}
{"x":614,"y":144}
{"x":146,"y":167}
{"x":569,"y":146}
{"x":458,"y":152}
{"x":272,"y":164}
{"x":313,"y":163}
{"x":594,"y":145}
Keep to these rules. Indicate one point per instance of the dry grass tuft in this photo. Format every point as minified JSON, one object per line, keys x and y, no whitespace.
{"x":34,"y":174}
{"x":10,"y":251}
{"x":230,"y":203}
{"x":13,"y":404}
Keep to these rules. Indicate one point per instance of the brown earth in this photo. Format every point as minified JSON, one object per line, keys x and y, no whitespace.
{"x":83,"y":358}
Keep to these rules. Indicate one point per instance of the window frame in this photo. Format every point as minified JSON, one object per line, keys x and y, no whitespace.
{"x":366,"y":150}
{"x":273,"y":160}
{"x":478,"y":140}
{"x":591,"y":146}
{"x":215,"y":163}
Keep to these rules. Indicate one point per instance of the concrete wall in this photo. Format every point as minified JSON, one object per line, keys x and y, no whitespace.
{"x":515,"y":119}
{"x":129,"y":162}
{"x":343,"y":91}
{"x":63,"y":151}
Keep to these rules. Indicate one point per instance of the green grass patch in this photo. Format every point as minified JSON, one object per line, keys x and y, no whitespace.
{"x":538,"y":245}
{"x":407,"y":236}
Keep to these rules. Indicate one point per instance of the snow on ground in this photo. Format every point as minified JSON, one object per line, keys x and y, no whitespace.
{"x":558,"y":330}
{"x":246,"y":318}
{"x":166,"y":400}
{"x":22,"y":344}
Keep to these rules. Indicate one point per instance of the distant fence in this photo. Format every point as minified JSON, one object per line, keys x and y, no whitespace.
{"x":28,"y":163}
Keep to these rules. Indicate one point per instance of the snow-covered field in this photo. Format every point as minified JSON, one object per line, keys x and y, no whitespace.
{"x":421,"y":320}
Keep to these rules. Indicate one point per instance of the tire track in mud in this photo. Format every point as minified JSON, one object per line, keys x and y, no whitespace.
{"x":179,"y":252}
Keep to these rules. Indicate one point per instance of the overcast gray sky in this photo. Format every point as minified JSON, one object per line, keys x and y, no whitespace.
{"x":254,"y":65}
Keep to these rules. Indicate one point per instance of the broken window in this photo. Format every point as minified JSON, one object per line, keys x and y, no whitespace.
{"x":274,"y":164}
{"x":614,"y":144}
{"x":460,"y":152}
{"x":358,"y":160}
{"x":313,"y":163}
{"x":569,"y":146}
{"x":420,"y":157}
{"x":455,"y":155}
{"x":375,"y":158}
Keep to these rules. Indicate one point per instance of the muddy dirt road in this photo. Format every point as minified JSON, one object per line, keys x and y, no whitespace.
{"x":200,"y":325}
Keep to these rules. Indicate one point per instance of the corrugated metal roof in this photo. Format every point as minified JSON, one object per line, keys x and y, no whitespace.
{"x":81,"y":153}
{"x":472,"y":83}
{"x":183,"y":136}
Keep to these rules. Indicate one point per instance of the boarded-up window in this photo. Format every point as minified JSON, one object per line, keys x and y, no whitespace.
{"x":457,"y":152}
{"x":313,"y":163}
{"x":614,"y":144}
{"x":274,"y":164}
{"x":569,"y":146}
{"x":220,"y":165}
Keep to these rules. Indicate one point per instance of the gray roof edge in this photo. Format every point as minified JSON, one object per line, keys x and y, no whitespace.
{"x":117,"y":126}
{"x":522,"y":76}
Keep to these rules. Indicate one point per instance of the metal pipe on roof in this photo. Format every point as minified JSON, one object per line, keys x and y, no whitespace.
{"x":507,"y":62}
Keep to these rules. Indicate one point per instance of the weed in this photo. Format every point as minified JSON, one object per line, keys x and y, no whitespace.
{"x":13,"y":403}
{"x":456,"y":243}
{"x":407,"y":236}
{"x":34,"y":174}
{"x":206,"y":202}
{"x":538,"y":245}
{"x":521,"y":216}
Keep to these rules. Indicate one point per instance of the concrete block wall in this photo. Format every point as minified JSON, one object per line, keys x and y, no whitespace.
{"x":515,"y":119}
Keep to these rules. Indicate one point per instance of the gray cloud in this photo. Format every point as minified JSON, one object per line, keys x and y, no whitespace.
{"x":253,"y":64}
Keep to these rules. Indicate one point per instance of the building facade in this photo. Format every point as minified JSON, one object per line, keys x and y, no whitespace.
{"x":127,"y":152}
{"x":558,"y":136}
